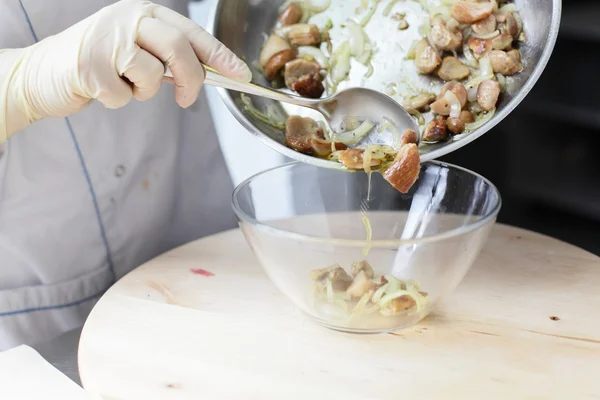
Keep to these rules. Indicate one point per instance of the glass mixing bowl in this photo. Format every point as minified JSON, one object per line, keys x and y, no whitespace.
{"x":355,"y":254}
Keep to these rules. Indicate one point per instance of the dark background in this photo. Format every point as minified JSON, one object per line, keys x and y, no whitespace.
{"x":545,"y":156}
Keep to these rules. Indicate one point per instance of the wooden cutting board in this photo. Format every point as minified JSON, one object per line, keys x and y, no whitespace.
{"x":204,"y":322}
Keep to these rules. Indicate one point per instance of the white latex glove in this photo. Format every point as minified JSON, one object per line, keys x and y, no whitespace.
{"x":112,"y":56}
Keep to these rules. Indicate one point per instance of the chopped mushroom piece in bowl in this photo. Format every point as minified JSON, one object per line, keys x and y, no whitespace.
{"x":354,"y":253}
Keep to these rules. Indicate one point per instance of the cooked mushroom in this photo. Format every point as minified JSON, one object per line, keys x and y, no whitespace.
{"x":457,"y":125}
{"x":453,"y":69}
{"x":467,"y":12}
{"x":277,"y":62}
{"x":360,"y":285}
{"x":502,"y":42}
{"x":291,"y":15}
{"x":304,"y":34}
{"x":309,"y":86}
{"x":479,"y":46}
{"x":458,"y":89}
{"x":272,"y":46}
{"x":505,"y":63}
{"x":510,"y":26}
{"x":485,"y":26}
{"x":306,"y":136}
{"x":340,"y":280}
{"x":323,"y":147}
{"x":409,"y":136}
{"x":397,"y":305}
{"x":318,"y":274}
{"x":419,"y":102}
{"x":303,"y":77}
{"x":353,"y":159}
{"x":444,"y":38}
{"x":487,"y":94}
{"x":442,"y":106}
{"x":404,"y":171}
{"x":363,"y":266}
{"x":299,"y":132}
{"x":426,"y":58}
{"x":515,"y":55}
{"x":436,"y":130}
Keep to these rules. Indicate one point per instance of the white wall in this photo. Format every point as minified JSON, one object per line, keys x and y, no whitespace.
{"x":244,"y":154}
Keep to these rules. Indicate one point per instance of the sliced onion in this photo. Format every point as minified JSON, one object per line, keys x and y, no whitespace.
{"x":510,"y":7}
{"x":495,"y":9}
{"x":378,"y":151}
{"x":356,"y":39}
{"x":485,"y":67}
{"x":367,"y":157}
{"x":482,"y":121}
{"x":264,"y":118}
{"x":365,"y":57}
{"x":370,"y":13}
{"x":273,"y":45}
{"x":340,"y":64}
{"x":360,"y":46}
{"x":283,"y":31}
{"x":473,"y":83}
{"x":475,"y":108}
{"x":354,"y":136}
{"x":360,"y":306}
{"x":306,"y":14}
{"x":315,"y":53}
{"x":469,"y":57}
{"x":452,"y":24}
{"x":379,"y":293}
{"x":412,"y":51}
{"x":486,"y":36}
{"x":329,"y":290}
{"x":418,"y":116}
{"x":431,"y":42}
{"x":455,"y":107}
{"x":502,"y":81}
{"x":472,"y":93}
{"x":390,"y":89}
{"x":370,"y":71}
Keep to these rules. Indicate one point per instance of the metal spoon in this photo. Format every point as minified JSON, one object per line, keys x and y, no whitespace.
{"x":357,"y":102}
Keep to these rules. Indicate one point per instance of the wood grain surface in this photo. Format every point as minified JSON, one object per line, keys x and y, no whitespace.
{"x":204,"y":322}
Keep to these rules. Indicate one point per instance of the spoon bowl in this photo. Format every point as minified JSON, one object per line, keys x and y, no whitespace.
{"x":357,"y":102}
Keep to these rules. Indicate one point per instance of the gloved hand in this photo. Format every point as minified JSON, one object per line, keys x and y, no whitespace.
{"x":111,"y":56}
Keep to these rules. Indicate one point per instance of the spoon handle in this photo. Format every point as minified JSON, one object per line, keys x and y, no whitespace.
{"x":214,"y":78}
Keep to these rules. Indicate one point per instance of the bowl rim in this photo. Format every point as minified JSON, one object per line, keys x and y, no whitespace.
{"x":455,"y":232}
{"x":251,"y":128}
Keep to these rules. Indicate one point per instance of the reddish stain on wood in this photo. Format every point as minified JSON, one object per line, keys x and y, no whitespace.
{"x":200,"y":271}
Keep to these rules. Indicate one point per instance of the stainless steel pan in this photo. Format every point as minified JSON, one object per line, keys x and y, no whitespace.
{"x":240,"y":24}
